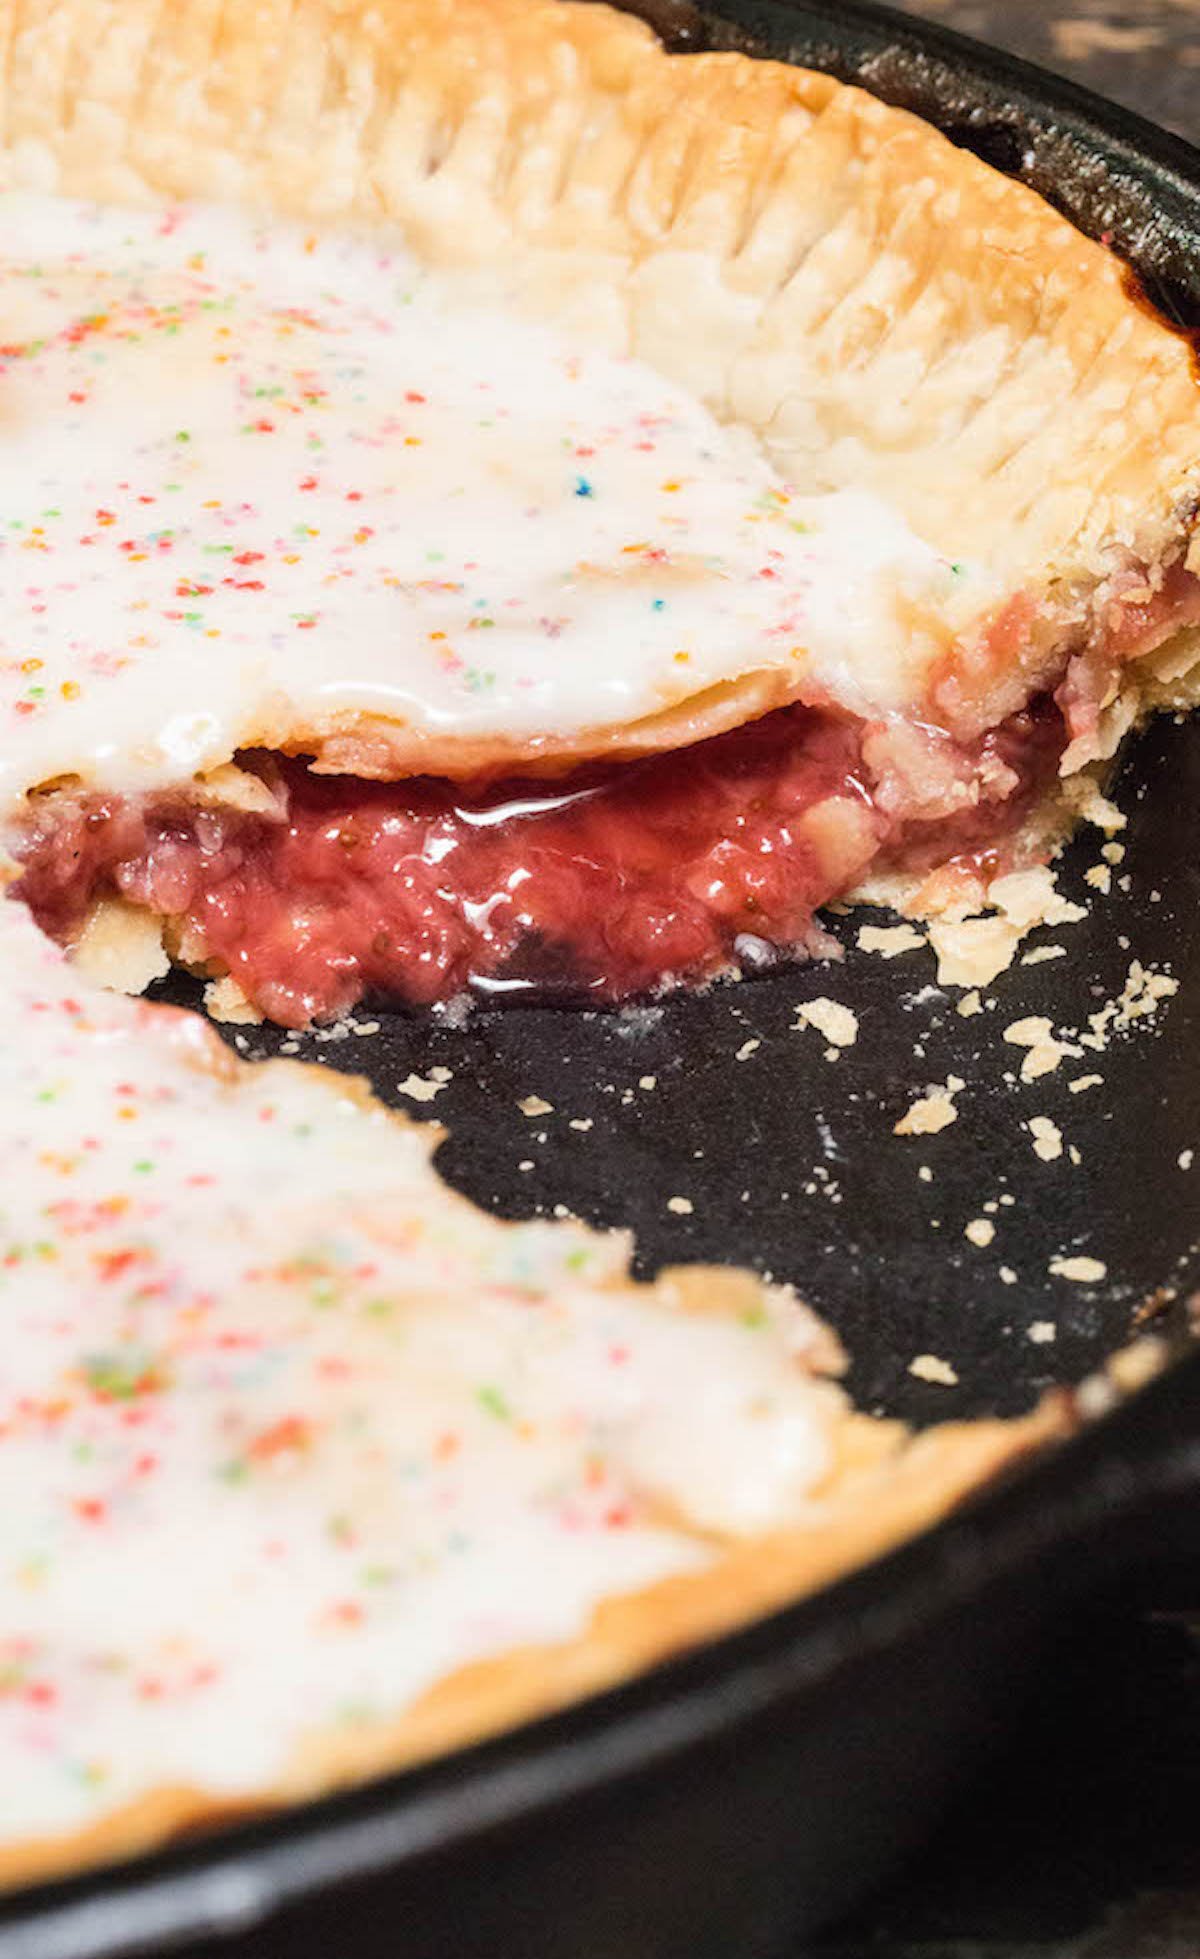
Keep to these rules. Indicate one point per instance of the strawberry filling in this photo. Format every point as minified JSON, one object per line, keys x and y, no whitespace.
{"x":609,"y":883}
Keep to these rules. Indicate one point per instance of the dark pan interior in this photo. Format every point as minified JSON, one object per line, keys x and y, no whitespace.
{"x":789,"y":1163}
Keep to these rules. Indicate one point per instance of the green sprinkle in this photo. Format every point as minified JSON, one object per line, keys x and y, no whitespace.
{"x":490,"y":1397}
{"x":121,"y":1377}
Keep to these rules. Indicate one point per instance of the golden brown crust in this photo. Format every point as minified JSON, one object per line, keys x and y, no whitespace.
{"x":883,"y":309}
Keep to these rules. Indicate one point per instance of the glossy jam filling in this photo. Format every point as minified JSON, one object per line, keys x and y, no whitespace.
{"x":607,"y":884}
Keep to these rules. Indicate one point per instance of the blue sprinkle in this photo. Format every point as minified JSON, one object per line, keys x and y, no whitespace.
{"x":582,"y":487}
{"x":657,"y":604}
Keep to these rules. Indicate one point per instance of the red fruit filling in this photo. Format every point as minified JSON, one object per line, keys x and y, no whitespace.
{"x":605,"y":884}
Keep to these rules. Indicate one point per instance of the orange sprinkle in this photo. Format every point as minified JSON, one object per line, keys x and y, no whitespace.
{"x":289,"y":1436}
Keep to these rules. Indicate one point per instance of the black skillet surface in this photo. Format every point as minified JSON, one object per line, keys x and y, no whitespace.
{"x":727,"y":1801}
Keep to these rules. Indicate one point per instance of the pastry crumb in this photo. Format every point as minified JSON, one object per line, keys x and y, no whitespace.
{"x":681,"y":1206}
{"x":1044,"y":1048}
{"x":1081,"y":1270}
{"x":121,"y":947}
{"x":1084,"y":1081}
{"x":582,"y":1123}
{"x":747,"y":1049}
{"x":973,"y":947}
{"x":647,"y":1081}
{"x":225,"y":1001}
{"x":890,"y":941}
{"x":838,"y":1024}
{"x":928,"y":1367}
{"x":1140,"y":997}
{"x":970,"y":1004}
{"x":980,"y":1231}
{"x":1185,"y":1159}
{"x":423,"y":1088}
{"x":1007,"y":1276}
{"x":1042,"y":1332}
{"x":932,"y":1111}
{"x":1047,"y":1138}
{"x":535,"y":1105}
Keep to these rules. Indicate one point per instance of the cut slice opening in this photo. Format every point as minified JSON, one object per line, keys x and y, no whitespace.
{"x":313,"y":892}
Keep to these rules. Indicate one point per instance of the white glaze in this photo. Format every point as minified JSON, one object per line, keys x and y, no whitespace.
{"x":417,"y":472}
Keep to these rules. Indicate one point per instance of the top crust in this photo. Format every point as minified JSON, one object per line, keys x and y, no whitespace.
{"x":885,"y":311}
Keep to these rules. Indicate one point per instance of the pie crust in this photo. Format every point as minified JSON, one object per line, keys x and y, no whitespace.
{"x":882,"y":310}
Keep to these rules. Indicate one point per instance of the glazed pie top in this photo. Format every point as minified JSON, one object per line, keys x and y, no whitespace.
{"x":842,"y":335}
{"x":285,"y":1425}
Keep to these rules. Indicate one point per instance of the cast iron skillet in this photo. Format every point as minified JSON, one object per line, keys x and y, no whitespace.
{"x":736,"y":1797}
